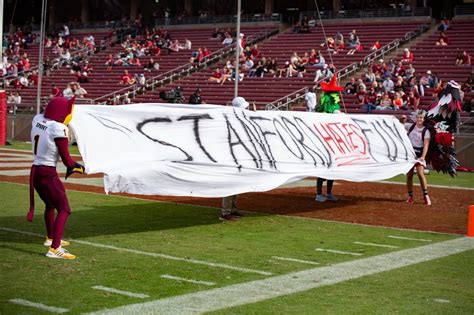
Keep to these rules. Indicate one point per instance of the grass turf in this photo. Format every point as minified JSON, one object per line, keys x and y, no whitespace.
{"x":196,"y":233}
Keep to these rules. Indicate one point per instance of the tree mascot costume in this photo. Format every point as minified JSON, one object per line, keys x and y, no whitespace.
{"x":442,"y":120}
{"x":330,"y":98}
{"x":49,"y":138}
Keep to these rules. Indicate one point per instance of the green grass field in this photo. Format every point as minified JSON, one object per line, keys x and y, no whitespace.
{"x":129,"y":244}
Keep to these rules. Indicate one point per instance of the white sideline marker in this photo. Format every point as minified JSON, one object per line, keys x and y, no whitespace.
{"x":296,"y":260}
{"x":187,"y":280}
{"x":409,"y":238}
{"x":442,"y":300}
{"x":159,"y":255}
{"x":39,"y":306}
{"x":376,"y":245}
{"x":295,"y":282}
{"x":338,"y":252}
{"x":121,"y":292}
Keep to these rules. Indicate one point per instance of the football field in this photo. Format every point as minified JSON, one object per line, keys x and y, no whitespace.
{"x":141,"y":256}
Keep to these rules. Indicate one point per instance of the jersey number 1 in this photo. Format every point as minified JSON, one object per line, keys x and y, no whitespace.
{"x":36,"y":143}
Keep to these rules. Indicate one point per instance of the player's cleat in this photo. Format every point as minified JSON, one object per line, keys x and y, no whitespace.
{"x":331,"y":197}
{"x":60,"y":253}
{"x":427,"y":200}
{"x":228,"y":217}
{"x":320,"y":198}
{"x":49,"y":241}
{"x":410,"y":199}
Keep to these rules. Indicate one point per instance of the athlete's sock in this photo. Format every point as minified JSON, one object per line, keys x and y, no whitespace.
{"x":59,"y":225}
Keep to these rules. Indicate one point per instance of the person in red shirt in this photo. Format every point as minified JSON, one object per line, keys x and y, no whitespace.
{"x":375,"y":46}
{"x":443,"y":40}
{"x":407,"y":56}
{"x":127,"y":78}
{"x":216,"y":76}
{"x":55,"y":91}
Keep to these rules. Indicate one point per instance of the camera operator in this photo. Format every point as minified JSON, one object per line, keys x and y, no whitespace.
{"x":173,"y":96}
{"x":195,"y":98}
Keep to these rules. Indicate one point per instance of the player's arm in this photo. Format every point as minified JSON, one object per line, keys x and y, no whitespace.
{"x":63,"y":150}
{"x":426,"y":144}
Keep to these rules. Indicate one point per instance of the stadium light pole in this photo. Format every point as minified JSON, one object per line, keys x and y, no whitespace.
{"x":44,"y":8}
{"x":237,"y":51}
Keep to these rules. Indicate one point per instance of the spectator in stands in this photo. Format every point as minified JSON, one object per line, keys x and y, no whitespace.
{"x":226,"y":74}
{"x":258,"y":70}
{"x":371,"y":99}
{"x":228,"y":40}
{"x":255,"y":51}
{"x":351,"y":86}
{"x":284,"y":69}
{"x":272,"y":67}
{"x":443,"y":40}
{"x":375,"y":46}
{"x":357,"y":47}
{"x":127,"y":78}
{"x":175,"y":46}
{"x":463,"y":59}
{"x":195,"y":98}
{"x":385,"y":102}
{"x":407,"y":56}
{"x":323,"y":73}
{"x":187,"y":44}
{"x":55,"y":91}
{"x":79,"y":91}
{"x":216,"y":76}
{"x":399,"y":70}
{"x":353,"y":40}
{"x":339,"y":41}
{"x":17,"y":99}
{"x":397,"y":102}
{"x":409,"y":72}
{"x":361,"y":95}
{"x":151,"y":65}
{"x":444,"y":26}
{"x":413,"y":101}
{"x":68,"y":92}
{"x":369,"y":76}
{"x":388,"y":84}
{"x":310,"y":98}
{"x":65,"y":57}
{"x":248,"y":64}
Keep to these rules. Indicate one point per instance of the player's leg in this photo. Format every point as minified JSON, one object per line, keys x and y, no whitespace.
{"x":319,"y":190}
{"x":410,"y":198}
{"x":330,"y":196}
{"x":424,"y":184}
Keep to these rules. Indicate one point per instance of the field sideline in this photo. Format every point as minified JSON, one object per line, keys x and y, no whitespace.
{"x":143,"y":256}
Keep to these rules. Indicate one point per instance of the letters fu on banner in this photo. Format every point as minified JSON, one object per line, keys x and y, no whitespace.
{"x":215,"y":151}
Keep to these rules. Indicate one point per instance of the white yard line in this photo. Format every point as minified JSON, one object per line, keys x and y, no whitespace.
{"x":18,"y":164}
{"x":187,"y":280}
{"x":436,"y":186}
{"x":442,"y":300}
{"x":409,"y":238}
{"x":39,"y":306}
{"x":121,"y":292}
{"x":296,"y":260}
{"x":376,"y":245}
{"x":157,"y":255}
{"x":338,"y":252}
{"x":260,"y":290}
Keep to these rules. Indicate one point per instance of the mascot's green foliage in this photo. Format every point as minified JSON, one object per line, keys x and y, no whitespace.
{"x":330,"y":98}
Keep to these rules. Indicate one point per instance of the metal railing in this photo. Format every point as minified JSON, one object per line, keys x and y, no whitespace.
{"x":369,"y":13}
{"x":211,"y":19}
{"x":466,"y":9}
{"x":178,"y":72}
{"x":286,"y":101}
{"x":219,"y":19}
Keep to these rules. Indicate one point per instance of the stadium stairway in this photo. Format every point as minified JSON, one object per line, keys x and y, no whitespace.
{"x":267,"y":89}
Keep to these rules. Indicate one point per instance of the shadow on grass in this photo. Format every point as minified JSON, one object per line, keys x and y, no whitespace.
{"x":126,"y":219}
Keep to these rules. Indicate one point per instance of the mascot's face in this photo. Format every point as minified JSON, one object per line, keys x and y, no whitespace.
{"x":60,"y":109}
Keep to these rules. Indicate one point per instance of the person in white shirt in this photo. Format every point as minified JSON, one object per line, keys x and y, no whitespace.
{"x":310,"y":98}
{"x":229,"y":204}
{"x":68,"y":93}
{"x":419,"y":137}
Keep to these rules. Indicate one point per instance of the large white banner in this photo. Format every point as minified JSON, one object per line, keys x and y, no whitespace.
{"x":215,"y":151}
